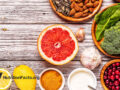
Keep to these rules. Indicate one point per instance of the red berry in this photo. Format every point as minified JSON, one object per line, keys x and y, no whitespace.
{"x":105,"y":77}
{"x":116,"y":83}
{"x":113,"y":87}
{"x":119,"y":79}
{"x":110,"y":83}
{"x":117,"y":87}
{"x":113,"y":65}
{"x":110,"y":70}
{"x":116,"y":76}
{"x":113,"y":73}
{"x":117,"y":64}
{"x":117,"y":72}
{"x":112,"y":78}
{"x":107,"y":81}
{"x":106,"y":73}
{"x":114,"y":69}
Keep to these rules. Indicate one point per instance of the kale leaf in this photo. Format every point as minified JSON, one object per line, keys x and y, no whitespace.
{"x":106,"y":19}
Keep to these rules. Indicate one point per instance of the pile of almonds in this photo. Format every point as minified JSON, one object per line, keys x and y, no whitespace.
{"x":82,"y":8}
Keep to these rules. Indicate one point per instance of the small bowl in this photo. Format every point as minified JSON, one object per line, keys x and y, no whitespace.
{"x":63,"y":82}
{"x":76,"y":19}
{"x":103,"y":70}
{"x":97,"y":43}
{"x":78,"y":70}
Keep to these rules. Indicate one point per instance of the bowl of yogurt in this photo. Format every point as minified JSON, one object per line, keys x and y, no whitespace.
{"x":82,"y":79}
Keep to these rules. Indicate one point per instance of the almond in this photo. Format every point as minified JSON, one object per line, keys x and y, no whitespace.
{"x":76,"y":7}
{"x":89,"y":5}
{"x":72,"y":12}
{"x":86,"y":11}
{"x":81,"y":9}
{"x":84,"y":7}
{"x":80,"y":4}
{"x":93,"y":1}
{"x":86,"y":1}
{"x":72,"y":5}
{"x":91,"y":9}
{"x":96,"y":3}
{"x":85,"y":14}
{"x":77,"y":15}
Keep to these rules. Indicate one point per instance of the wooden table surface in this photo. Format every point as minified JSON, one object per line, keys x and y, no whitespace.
{"x":24,"y":20}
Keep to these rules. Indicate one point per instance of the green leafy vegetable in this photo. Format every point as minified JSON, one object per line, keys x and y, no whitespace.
{"x":106,"y":19}
{"x":111,"y":43}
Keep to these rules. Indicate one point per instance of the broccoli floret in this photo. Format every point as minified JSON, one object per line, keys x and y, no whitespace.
{"x":111,"y":43}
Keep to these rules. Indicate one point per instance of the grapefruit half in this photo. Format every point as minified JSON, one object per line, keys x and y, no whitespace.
{"x":57,"y":44}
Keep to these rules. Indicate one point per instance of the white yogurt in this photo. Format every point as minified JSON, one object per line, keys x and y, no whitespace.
{"x":79,"y":79}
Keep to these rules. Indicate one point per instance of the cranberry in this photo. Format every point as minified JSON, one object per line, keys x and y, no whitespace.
{"x":110,"y":70}
{"x":118,"y":68}
{"x":116,"y":83}
{"x":116,"y":76}
{"x":106,"y":73}
{"x":105,"y":77}
{"x":109,"y":87}
{"x":113,"y":65}
{"x":112,"y":78}
{"x":117,"y":87}
{"x":114,"y":69}
{"x":113,"y":73}
{"x":110,"y":83}
{"x":113,"y":87}
{"x":117,"y":64}
{"x":107,"y":81}
{"x":117,"y":72}
{"x":119,"y":79}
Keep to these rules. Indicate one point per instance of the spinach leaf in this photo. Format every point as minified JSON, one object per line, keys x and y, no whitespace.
{"x":106,"y":19}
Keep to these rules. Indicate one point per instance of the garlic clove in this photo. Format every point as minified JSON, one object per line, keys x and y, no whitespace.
{"x":80,"y":34}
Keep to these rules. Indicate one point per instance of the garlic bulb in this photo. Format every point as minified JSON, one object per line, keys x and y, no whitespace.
{"x":90,"y":58}
{"x":80,"y":34}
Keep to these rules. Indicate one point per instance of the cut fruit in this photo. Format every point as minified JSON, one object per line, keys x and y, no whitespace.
{"x":57,"y":44}
{"x":5,"y":79}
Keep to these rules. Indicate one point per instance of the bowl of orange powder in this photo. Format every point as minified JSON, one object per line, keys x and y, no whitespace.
{"x":51,"y":79}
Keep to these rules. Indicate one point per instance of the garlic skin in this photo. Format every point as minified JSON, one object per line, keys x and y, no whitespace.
{"x":80,"y":34}
{"x":90,"y":58}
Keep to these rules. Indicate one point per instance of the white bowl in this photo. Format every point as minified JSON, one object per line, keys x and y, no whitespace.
{"x":63,"y":79}
{"x":78,"y":70}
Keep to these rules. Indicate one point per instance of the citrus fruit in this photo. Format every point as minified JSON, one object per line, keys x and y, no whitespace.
{"x":57,"y":44}
{"x":5,"y":79}
{"x":27,"y":77}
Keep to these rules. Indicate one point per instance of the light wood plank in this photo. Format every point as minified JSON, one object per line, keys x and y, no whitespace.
{"x":19,"y":42}
{"x":38,"y":66}
{"x":32,"y":11}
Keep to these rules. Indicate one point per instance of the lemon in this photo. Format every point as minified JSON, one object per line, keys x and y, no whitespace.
{"x":24,"y":78}
{"x":5,"y":79}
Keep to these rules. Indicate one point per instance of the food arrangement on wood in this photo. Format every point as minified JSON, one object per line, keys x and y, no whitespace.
{"x":58,"y":45}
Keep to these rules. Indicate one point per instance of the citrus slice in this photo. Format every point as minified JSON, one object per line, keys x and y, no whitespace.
{"x":57,"y":44}
{"x":5,"y":79}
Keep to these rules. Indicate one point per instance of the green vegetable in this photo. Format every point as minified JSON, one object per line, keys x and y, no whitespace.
{"x":106,"y":19}
{"x":111,"y":43}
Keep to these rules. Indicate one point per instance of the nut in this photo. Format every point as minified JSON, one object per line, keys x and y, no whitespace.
{"x":84,"y":7}
{"x":89,"y":5}
{"x":76,"y":7}
{"x":86,"y":11}
{"x":81,"y":9}
{"x":86,"y":1}
{"x":80,"y":4}
{"x":96,"y":3}
{"x":72,"y":12}
{"x":72,"y":5}
{"x":93,"y":1}
{"x":79,"y":14}
{"x":91,"y":9}
{"x":85,"y":14}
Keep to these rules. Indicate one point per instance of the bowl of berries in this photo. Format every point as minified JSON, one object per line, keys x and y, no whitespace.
{"x":110,"y":75}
